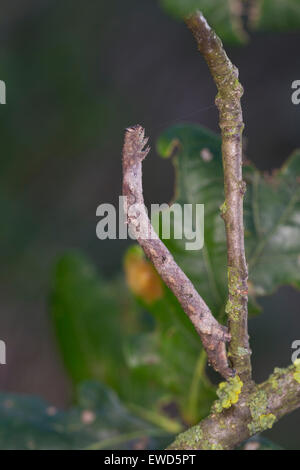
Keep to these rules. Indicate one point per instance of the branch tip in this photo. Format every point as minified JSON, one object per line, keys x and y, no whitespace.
{"x":213,"y":335}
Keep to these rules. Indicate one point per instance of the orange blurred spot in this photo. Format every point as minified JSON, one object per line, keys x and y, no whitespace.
{"x":141,"y":277}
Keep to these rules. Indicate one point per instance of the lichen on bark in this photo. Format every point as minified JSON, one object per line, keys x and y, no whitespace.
{"x":228,"y":101}
{"x":244,"y":408}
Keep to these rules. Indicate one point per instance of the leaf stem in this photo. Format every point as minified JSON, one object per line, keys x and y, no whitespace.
{"x":198,"y":378}
{"x":168,"y":425}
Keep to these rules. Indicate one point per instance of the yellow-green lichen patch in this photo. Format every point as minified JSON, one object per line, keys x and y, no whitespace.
{"x":274,"y":382}
{"x":261,"y":420}
{"x":267,"y":421}
{"x":264,"y":422}
{"x":233,"y":308}
{"x":296,"y":374}
{"x":207,"y":445}
{"x":258,"y":404}
{"x":234,"y":303}
{"x":233,"y":281}
{"x":189,"y":439}
{"x":228,"y":393}
{"x":223,"y":208}
{"x":216,"y":447}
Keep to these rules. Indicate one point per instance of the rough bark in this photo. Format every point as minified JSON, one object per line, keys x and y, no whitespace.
{"x":228,"y":101}
{"x":243,"y":408}
{"x":213,"y":335}
{"x":255,"y":412}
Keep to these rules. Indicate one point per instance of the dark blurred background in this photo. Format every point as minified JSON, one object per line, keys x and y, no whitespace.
{"x":77,"y":74}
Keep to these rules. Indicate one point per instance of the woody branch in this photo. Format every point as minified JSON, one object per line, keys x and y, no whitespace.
{"x":228,"y":101}
{"x":213,"y":334}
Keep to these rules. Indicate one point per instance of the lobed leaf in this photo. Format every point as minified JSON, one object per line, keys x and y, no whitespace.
{"x":272,"y":217}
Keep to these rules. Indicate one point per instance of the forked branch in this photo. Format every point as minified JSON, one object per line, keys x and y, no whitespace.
{"x":243,"y":408}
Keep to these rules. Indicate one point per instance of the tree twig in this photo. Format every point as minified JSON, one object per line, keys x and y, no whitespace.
{"x":243,"y":408}
{"x":228,"y":101}
{"x":213,"y":335}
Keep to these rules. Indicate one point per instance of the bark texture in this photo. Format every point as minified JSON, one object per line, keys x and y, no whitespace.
{"x":228,"y":101}
{"x":255,"y":411}
{"x":213,"y":335}
{"x":243,"y":408}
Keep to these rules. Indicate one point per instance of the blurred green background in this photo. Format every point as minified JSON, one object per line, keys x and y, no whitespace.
{"x":77,"y":74}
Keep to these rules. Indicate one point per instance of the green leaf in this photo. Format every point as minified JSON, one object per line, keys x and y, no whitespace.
{"x":223,"y":15}
{"x":168,"y":366}
{"x":170,"y":359}
{"x":199,"y":174}
{"x":103,"y":336}
{"x":272,"y":217}
{"x":99,"y":421}
{"x":87,"y":320}
{"x":275,"y":15}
